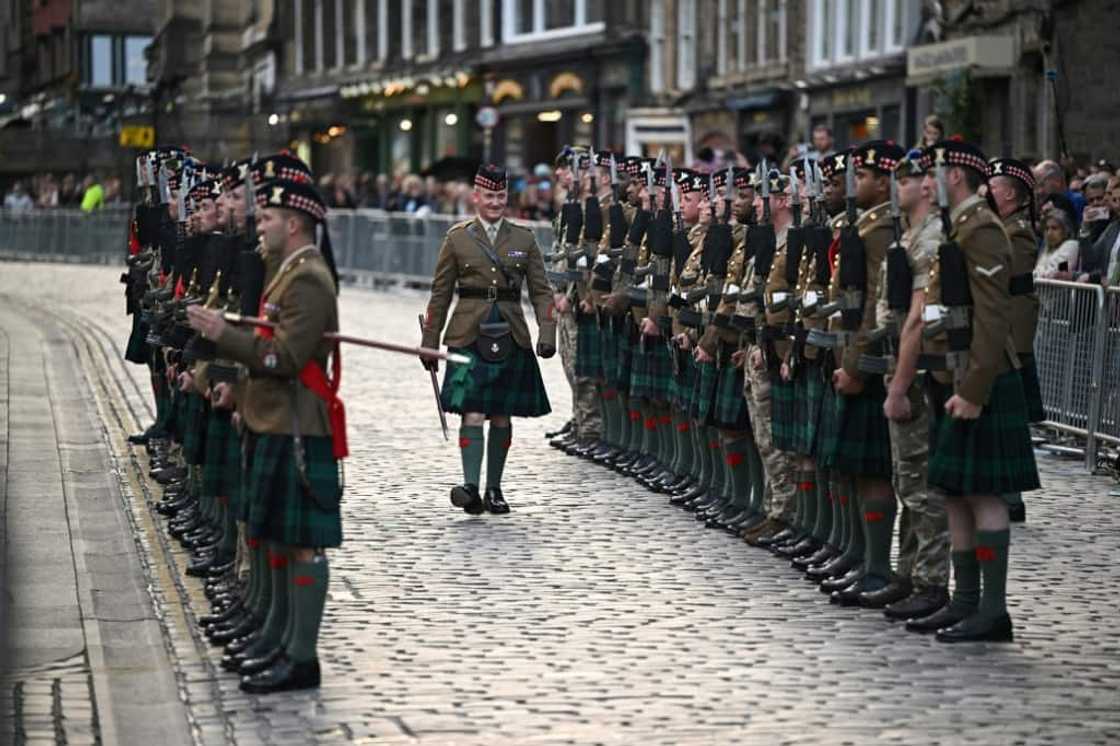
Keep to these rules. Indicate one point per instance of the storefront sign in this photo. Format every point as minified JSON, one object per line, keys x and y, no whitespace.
{"x":851,"y":98}
{"x":985,"y":52}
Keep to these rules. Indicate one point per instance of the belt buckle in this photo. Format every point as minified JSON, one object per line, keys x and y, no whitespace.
{"x":492,"y":294}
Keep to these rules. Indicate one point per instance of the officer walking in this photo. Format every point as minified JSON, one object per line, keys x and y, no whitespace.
{"x":486,"y":261}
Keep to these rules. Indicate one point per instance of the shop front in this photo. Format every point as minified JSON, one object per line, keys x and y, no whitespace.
{"x":865,"y":110}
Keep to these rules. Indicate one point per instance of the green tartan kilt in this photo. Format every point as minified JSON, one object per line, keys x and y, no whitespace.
{"x":828,"y":428}
{"x":681,"y":386}
{"x":512,"y":388}
{"x":730,"y":411}
{"x":276,"y":506}
{"x":1032,"y":389}
{"x":221,"y":475}
{"x":236,"y":457}
{"x":991,"y":455}
{"x":809,"y":392}
{"x":195,"y":412}
{"x":137,"y":349}
{"x":608,"y":351}
{"x":703,"y":392}
{"x":783,"y":422}
{"x":863,"y":442}
{"x":626,"y":347}
{"x":650,"y":373}
{"x":589,"y":347}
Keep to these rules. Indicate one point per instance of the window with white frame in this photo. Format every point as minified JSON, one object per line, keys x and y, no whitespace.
{"x":846,"y":31}
{"x":722,"y":66}
{"x":459,"y":25}
{"x":657,"y":46}
{"x":420,"y":29}
{"x":486,"y":23}
{"x":532,"y":20}
{"x":686,"y":44}
{"x":756,"y":33}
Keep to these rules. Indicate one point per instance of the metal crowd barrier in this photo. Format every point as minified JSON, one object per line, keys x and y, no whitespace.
{"x":1077,"y":349}
{"x":369,"y":245}
{"x":64,"y":235}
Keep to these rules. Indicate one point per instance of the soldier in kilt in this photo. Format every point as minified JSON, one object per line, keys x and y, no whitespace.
{"x":980,"y":444}
{"x":862,"y":446}
{"x":486,"y":261}
{"x":295,"y":432}
{"x":920,"y":585}
{"x":1011,"y":193}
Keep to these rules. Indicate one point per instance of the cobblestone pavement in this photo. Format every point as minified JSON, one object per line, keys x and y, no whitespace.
{"x":595,"y":613}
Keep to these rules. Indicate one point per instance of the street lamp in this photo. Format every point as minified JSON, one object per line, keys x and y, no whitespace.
{"x":273,"y":120}
{"x":405,"y":125}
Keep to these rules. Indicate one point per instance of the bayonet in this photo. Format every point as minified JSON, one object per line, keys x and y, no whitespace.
{"x":669,"y":179}
{"x":850,"y":191}
{"x":614,"y":178}
{"x":730,"y":194}
{"x":795,"y":196}
{"x":764,"y":179}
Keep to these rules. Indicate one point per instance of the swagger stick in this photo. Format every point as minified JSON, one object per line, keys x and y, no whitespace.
{"x":435,"y":390}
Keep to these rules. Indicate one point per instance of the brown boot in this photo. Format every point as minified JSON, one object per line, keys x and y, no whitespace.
{"x":773,"y":528}
{"x":765,"y":528}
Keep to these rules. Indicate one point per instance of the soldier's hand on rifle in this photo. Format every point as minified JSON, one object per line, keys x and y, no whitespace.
{"x":961,"y":409}
{"x":683,"y":341}
{"x":186,"y":381}
{"x":738,"y":358}
{"x":563,"y":305}
{"x":545,"y":350}
{"x":897,"y":407}
{"x":586,"y":306}
{"x":845,"y":384}
{"x":205,"y":321}
{"x":650,"y":328}
{"x":222,"y":396}
{"x":758,"y":362}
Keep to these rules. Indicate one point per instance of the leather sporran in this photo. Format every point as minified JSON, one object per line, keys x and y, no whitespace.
{"x":494,"y":343}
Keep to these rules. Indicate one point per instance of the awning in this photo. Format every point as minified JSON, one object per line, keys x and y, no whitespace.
{"x":761,"y":100}
{"x":984,"y":55}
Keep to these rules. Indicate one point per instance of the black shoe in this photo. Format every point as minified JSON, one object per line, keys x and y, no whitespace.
{"x":466,"y":496}
{"x":252,"y":664}
{"x":140,"y":439}
{"x":1017,"y":513}
{"x":225,"y":635}
{"x":978,"y":628}
{"x":893,"y":592}
{"x":746,"y":523}
{"x":946,"y":616}
{"x":836,"y":567}
{"x":170,"y":474}
{"x":200,"y":566}
{"x":782,"y":536}
{"x":679,"y":498}
{"x":806,"y":547}
{"x":831,"y":585}
{"x":826,"y":553}
{"x":495,"y":502}
{"x":242,"y":646}
{"x":223,"y":565}
{"x":283,"y":676}
{"x":921,"y":603}
{"x":850,"y":596}
{"x":567,"y":428}
{"x":222,"y":618}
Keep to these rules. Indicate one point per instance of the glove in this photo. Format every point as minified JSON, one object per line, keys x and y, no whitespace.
{"x":545,"y":350}
{"x":430,"y":363}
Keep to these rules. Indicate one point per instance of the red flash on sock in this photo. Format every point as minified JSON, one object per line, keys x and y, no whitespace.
{"x":985,"y":554}
{"x":665,"y":420}
{"x":807,"y":486}
{"x":713,"y":444}
{"x":843,"y":499}
{"x":253,"y":543}
{"x":277,"y":561}
{"x":651,"y":423}
{"x":303,"y":580}
{"x":635,"y":415}
{"x":683,"y":427}
{"x":734,"y":459}
{"x":874,"y":516}
{"x":464,"y":442}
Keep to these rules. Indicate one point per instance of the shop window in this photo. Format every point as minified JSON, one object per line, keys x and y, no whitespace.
{"x":845,"y":31}
{"x":100,"y":61}
{"x":135,"y":64}
{"x":686,"y":44}
{"x":531,"y":20}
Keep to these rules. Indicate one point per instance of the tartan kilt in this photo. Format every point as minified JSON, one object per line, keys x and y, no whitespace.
{"x":730,"y":409}
{"x":137,"y":349}
{"x":194,"y":429}
{"x":589,"y":347}
{"x":809,"y":392}
{"x":863,"y":441}
{"x":626,"y":347}
{"x":680,"y":388}
{"x":237,"y":456}
{"x":783,"y":425}
{"x":1032,"y":390}
{"x":991,"y":455}
{"x":608,"y":354}
{"x":276,"y":506}
{"x":177,"y":417}
{"x":512,"y":388}
{"x":704,"y":392}
{"x":650,"y":373}
{"x":828,"y":428}
{"x":221,"y":474}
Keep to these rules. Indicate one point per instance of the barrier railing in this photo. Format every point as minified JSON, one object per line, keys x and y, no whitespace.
{"x":1077,"y":349}
{"x":368,"y":244}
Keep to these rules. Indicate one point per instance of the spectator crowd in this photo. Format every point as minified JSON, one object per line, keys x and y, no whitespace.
{"x":47,"y":191}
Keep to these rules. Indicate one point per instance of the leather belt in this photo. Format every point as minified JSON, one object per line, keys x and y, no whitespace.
{"x":721,"y":321}
{"x":951,"y":361}
{"x":601,"y":284}
{"x":690,"y":318}
{"x":490,"y":294}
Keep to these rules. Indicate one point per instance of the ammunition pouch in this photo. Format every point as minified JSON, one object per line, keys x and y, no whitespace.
{"x":779,"y":302}
{"x":940,"y":319}
{"x":601,"y":284}
{"x":695,"y":295}
{"x":888,"y":331}
{"x":676,"y":301}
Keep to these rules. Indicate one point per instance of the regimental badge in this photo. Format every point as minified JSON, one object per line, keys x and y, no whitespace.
{"x":871,"y":156}
{"x":940,"y":156}
{"x":269,"y":169}
{"x":494,"y":348}
{"x":277,"y":197}
{"x":997,"y":167}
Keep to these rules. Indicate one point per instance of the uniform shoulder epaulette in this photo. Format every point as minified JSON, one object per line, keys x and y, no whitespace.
{"x":460,"y":225}
{"x":521,"y":227}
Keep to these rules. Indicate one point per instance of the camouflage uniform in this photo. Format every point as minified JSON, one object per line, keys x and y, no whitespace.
{"x":923,"y":532}
{"x":587,"y":417}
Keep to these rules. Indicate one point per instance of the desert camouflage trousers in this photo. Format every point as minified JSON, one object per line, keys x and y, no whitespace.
{"x":923,"y":530}
{"x":780,"y":467}
{"x":586,"y":413}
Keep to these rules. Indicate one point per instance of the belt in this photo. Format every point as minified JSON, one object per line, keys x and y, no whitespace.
{"x":601,"y":284}
{"x":951,"y":361}
{"x":721,"y":321}
{"x":690,"y":318}
{"x":875,"y":365}
{"x":490,"y":294}
{"x":1022,"y":284}
{"x":742,"y":323}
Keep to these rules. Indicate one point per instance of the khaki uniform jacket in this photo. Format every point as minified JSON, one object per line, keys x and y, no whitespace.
{"x":877,"y":233}
{"x":776,"y":285}
{"x":692,"y":272}
{"x":598,"y":297}
{"x":987,"y":253}
{"x":302,"y":300}
{"x":736,"y":267}
{"x":463,"y":262}
{"x":617,"y":303}
{"x":1024,"y":255}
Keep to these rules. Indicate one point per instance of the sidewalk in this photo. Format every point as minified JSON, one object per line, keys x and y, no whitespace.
{"x":86,"y":660}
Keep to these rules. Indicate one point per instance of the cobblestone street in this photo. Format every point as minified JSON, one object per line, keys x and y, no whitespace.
{"x":594,"y":613}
